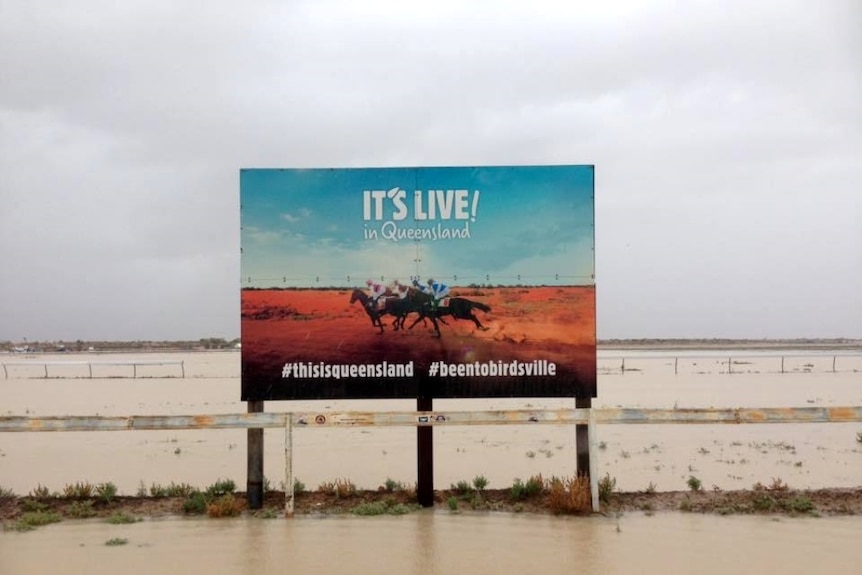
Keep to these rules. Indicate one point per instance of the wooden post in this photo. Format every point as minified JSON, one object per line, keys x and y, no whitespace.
{"x":582,"y":439}
{"x":425,"y":449}
{"x":254,"y":478}
{"x":594,"y":464}
{"x":288,"y":467}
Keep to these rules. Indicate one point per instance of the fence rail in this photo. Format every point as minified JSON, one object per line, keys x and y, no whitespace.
{"x":290,"y":420}
{"x":729,"y":360}
{"x":134,"y":364}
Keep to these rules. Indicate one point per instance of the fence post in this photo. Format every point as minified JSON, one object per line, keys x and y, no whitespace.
{"x":594,"y":463}
{"x":254,"y":477}
{"x":425,"y":451}
{"x":582,"y":438}
{"x":288,"y":467}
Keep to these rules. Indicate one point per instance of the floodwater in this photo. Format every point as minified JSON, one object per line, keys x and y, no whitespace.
{"x":727,"y":456}
{"x":429,"y":542}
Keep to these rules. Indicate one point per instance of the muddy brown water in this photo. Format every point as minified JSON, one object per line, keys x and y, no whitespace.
{"x":729,"y":457}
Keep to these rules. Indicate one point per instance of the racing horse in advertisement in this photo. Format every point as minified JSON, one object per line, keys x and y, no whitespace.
{"x":394,"y":306}
{"x":456,"y":307}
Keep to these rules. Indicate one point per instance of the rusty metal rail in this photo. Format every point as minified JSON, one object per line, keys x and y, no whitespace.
{"x":324,"y":419}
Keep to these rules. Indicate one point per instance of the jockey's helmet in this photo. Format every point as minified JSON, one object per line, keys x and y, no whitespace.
{"x":430,"y":281}
{"x":369,"y":282}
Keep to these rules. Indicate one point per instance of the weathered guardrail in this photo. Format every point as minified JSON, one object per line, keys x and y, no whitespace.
{"x":323,"y":419}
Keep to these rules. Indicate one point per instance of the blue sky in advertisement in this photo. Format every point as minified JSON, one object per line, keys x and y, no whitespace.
{"x":504,"y":225}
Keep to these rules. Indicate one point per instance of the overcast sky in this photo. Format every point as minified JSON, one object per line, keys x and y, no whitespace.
{"x":727,"y":140}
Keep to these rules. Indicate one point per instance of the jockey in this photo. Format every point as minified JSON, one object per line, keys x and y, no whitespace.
{"x":421,"y":287}
{"x":376,"y":290}
{"x":438,"y":290}
{"x":400,"y":289}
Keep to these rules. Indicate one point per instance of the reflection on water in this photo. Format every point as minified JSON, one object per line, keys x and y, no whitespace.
{"x":430,"y":542}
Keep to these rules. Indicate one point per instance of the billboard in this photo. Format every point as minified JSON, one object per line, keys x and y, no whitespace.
{"x":447,"y":282}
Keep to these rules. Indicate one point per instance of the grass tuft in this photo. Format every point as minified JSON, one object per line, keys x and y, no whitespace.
{"x":694,"y":483}
{"x":569,"y":495}
{"x":607,"y":485}
{"x":116,"y":541}
{"x":533,"y":487}
{"x":121,"y":517}
{"x":81,"y":509}
{"x":385,"y":507}
{"x":224,"y":506}
{"x":32,"y":519}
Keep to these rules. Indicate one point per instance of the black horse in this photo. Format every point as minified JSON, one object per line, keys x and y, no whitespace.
{"x":394,"y":306}
{"x":457,"y":307}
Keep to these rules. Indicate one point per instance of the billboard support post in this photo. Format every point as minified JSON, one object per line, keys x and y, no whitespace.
{"x":425,"y":451}
{"x":582,"y":439}
{"x":254,"y":480}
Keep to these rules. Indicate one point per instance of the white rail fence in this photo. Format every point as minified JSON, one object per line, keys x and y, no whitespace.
{"x":26,"y":366}
{"x":734,"y":363}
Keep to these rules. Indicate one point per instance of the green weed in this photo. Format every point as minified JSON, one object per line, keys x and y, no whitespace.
{"x":298,"y":487}
{"x":694,"y":483}
{"x":106,"y":491}
{"x":480,"y":482}
{"x":221,"y":487}
{"x":81,"y":509}
{"x":116,"y":541}
{"x":121,"y":517}
{"x":32,"y":519}
{"x":607,"y":485}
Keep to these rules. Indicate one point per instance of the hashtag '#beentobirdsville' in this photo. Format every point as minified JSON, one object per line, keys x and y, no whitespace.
{"x":432,"y":369}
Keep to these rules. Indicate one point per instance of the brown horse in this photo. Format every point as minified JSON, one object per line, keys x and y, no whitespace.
{"x":394,"y":306}
{"x":457,"y":307}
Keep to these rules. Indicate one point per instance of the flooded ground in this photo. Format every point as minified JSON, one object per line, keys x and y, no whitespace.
{"x":724,"y":456}
{"x":434,"y":542}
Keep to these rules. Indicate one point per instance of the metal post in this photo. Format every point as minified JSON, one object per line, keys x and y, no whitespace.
{"x":288,"y":467}
{"x":782,"y":364}
{"x":425,"y":450}
{"x":582,"y":438}
{"x":675,"y":364}
{"x":833,"y":364}
{"x":183,"y":368}
{"x":254,"y":479}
